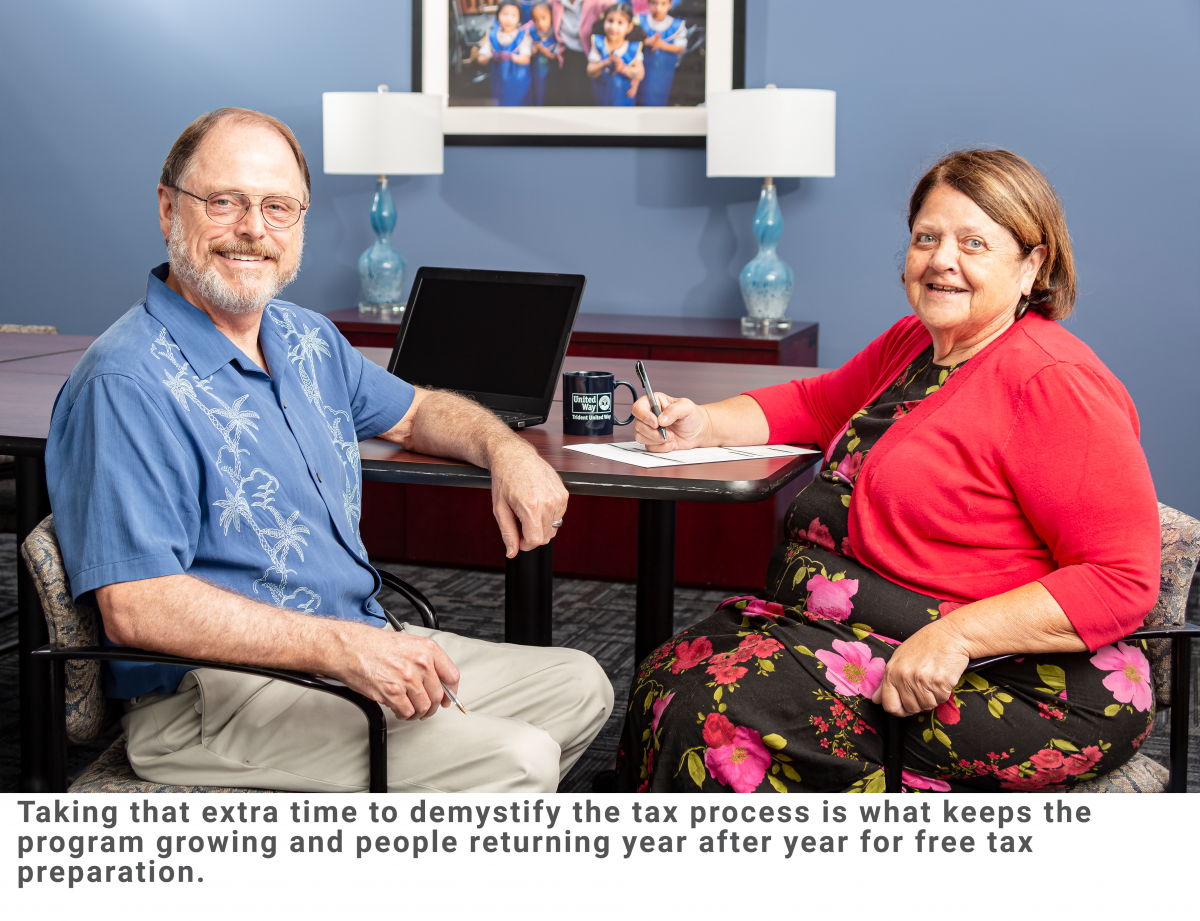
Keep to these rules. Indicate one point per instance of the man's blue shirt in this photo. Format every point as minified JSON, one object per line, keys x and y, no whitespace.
{"x":172,"y":452}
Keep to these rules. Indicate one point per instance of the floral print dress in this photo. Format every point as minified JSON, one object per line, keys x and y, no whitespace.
{"x":773,"y":693}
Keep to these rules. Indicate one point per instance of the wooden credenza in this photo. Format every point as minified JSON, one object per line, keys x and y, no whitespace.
{"x":717,"y":545}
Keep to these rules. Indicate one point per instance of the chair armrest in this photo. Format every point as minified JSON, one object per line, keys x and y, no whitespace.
{"x":1142,"y":633}
{"x":1180,"y":678}
{"x":377,"y":726}
{"x":423,"y":607}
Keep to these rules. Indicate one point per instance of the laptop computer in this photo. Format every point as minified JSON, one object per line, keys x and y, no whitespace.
{"x":498,"y":337}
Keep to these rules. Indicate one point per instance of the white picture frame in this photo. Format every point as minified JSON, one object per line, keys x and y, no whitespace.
{"x":575,"y":125}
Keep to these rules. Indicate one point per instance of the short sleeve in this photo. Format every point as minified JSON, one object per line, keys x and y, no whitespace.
{"x":485,"y":45}
{"x":594,"y":54}
{"x":125,"y":494}
{"x":526,"y":46}
{"x":380,"y":400}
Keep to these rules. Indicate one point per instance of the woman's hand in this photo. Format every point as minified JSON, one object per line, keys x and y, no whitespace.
{"x":923,"y":671}
{"x":686,"y":424}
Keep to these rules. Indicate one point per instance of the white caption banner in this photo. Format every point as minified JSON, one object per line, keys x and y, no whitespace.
{"x":109,"y":855}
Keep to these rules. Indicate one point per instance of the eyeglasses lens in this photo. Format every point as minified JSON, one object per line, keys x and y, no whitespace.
{"x":230,"y":207}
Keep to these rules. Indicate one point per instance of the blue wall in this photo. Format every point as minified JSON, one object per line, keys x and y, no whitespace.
{"x":1103,"y":96}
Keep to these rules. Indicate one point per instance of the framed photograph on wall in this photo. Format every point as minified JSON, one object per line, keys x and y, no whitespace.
{"x":615,"y":73}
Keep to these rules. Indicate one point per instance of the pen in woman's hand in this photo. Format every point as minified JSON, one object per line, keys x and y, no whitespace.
{"x":644,"y":378}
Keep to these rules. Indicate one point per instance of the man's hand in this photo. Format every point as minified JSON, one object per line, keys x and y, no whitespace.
{"x":923,"y":671}
{"x":402,"y":672}
{"x":184,"y":616}
{"x":686,"y":423}
{"x":527,"y":496}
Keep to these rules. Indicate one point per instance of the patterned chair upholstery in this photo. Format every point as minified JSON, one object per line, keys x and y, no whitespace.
{"x":88,"y":713}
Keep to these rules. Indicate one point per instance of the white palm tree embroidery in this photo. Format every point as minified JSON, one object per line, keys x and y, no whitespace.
{"x":231,"y":422}
{"x":304,"y":355}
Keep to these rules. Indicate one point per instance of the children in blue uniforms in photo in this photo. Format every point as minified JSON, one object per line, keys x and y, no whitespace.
{"x":526,"y":7}
{"x":506,"y":49}
{"x":614,"y":62}
{"x":545,"y":48}
{"x":666,"y":40}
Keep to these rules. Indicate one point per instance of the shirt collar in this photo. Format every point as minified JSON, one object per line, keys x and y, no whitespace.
{"x":205,"y":347}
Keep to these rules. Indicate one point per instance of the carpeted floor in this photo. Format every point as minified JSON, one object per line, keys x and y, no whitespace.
{"x":596,"y":617}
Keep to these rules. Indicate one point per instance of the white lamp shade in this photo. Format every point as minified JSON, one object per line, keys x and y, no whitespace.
{"x":398,"y":134}
{"x":771,"y":132}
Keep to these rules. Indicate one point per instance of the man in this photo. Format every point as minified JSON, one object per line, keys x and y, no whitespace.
{"x":204,"y":474}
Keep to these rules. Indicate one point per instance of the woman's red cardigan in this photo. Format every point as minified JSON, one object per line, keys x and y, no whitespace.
{"x":1024,"y":467}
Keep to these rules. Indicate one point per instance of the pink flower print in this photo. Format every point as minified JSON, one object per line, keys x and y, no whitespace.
{"x":755,"y":644}
{"x":849,"y":467}
{"x":817,"y":534}
{"x":657,"y":709}
{"x":1084,"y":761}
{"x":742,"y":763}
{"x":718,"y":731}
{"x":917,"y":782}
{"x":947,"y":712}
{"x":847,"y":550}
{"x":1129,"y":678}
{"x":726,"y":672}
{"x":831,"y":599}
{"x":903,"y":409}
{"x":691,"y":654}
{"x":1011,"y":779}
{"x":755,"y":607}
{"x":852,"y":669}
{"x":1048,"y":759}
{"x":947,"y":606}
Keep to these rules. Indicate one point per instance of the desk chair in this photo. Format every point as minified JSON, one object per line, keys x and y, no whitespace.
{"x":80,"y":712}
{"x":1167,"y":640}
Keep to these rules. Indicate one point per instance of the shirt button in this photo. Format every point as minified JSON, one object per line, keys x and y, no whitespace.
{"x":285,"y":404}
{"x":319,"y":480}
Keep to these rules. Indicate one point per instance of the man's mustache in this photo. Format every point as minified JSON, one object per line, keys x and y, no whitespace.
{"x":245,"y":248}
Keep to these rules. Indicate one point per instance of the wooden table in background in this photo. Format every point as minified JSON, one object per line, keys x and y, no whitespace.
{"x":615,"y":335}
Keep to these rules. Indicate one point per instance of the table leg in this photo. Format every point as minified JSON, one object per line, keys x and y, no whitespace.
{"x":529,"y":597}
{"x":655,"y":576}
{"x":43,"y":758}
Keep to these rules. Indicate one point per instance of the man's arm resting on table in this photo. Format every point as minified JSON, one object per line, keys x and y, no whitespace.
{"x":184,"y":616}
{"x":527,"y":495}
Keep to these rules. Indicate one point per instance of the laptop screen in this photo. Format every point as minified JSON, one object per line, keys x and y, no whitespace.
{"x":488,"y":333}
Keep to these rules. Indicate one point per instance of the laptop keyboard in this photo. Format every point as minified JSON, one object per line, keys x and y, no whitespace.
{"x":517,"y":420}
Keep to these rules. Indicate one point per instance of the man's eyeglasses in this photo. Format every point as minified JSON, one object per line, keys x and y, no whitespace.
{"x":279,"y":211}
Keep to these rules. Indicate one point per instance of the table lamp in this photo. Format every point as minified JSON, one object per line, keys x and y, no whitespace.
{"x":374,"y":134}
{"x":773,"y":133}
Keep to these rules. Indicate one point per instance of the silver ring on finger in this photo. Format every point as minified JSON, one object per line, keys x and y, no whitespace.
{"x":557,"y":523}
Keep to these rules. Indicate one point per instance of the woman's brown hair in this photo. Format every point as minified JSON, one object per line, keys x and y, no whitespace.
{"x":1013,"y":193}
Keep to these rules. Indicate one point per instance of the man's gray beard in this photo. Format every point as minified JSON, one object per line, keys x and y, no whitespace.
{"x":208,"y":283}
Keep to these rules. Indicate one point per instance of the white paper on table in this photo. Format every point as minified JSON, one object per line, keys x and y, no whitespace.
{"x":631,"y":452}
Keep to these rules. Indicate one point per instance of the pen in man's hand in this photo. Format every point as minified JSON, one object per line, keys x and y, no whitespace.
{"x":642,"y":376}
{"x":449,"y":693}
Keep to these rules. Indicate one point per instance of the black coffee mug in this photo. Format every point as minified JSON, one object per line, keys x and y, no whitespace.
{"x":588,"y":402}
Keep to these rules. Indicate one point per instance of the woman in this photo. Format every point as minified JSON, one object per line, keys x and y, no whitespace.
{"x":982,"y":492}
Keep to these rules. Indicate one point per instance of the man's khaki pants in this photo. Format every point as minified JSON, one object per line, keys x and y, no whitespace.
{"x":531,"y":712}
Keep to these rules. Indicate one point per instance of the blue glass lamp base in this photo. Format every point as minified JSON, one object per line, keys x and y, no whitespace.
{"x":392,"y":309}
{"x":766,"y":327}
{"x":380,"y":267}
{"x":766,"y":281}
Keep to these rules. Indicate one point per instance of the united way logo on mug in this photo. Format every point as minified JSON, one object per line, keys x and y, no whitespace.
{"x":588,"y":402}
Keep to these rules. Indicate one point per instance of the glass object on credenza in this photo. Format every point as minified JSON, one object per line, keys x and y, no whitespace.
{"x":381,"y":268}
{"x":766,"y":280}
{"x":378,"y":134}
{"x":773,"y":133}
